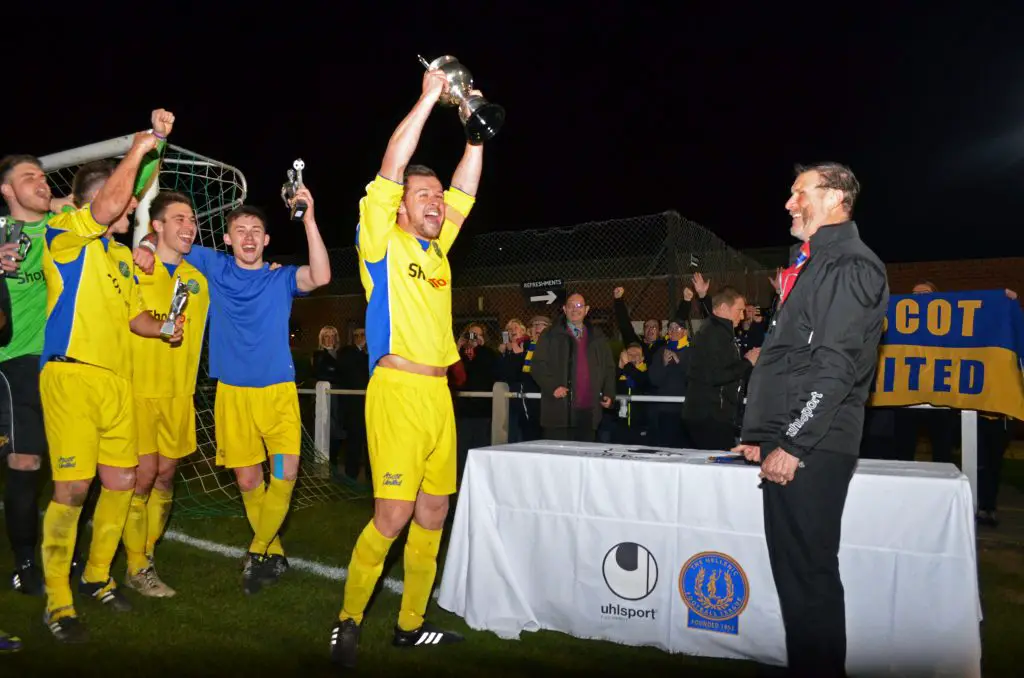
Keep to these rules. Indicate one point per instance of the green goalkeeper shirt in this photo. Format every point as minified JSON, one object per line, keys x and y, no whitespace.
{"x":28,"y":286}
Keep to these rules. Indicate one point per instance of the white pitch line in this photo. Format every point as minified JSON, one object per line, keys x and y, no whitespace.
{"x":303,"y":565}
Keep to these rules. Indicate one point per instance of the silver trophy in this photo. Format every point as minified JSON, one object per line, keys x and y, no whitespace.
{"x":178,"y":302}
{"x":291,"y":187}
{"x":14,"y":235}
{"x":481,"y":118}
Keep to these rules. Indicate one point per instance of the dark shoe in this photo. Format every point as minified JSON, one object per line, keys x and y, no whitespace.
{"x":107,"y":592}
{"x":275,"y":569}
{"x":256,"y":573}
{"x":67,"y":629}
{"x":426,"y":635}
{"x":28,"y":579}
{"x":344,"y":643}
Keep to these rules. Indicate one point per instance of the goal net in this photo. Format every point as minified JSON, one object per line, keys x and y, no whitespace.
{"x":201,"y":487}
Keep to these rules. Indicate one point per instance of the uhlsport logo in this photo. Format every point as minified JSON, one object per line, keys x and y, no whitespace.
{"x":192,"y":286}
{"x":715,"y":589}
{"x":631,"y":573}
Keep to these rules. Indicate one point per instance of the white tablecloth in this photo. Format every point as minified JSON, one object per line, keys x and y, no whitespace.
{"x":593,"y":540}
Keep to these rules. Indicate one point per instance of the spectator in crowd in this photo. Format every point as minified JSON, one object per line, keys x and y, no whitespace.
{"x":716,"y":376}
{"x":669,"y":370}
{"x":355,"y":376}
{"x":629,"y":423}
{"x":658,"y":413}
{"x":652,"y":339}
{"x":327,"y":368}
{"x":750,"y":333}
{"x":473,"y":415}
{"x":514,"y":364}
{"x":993,"y":440}
{"x":574,"y":367}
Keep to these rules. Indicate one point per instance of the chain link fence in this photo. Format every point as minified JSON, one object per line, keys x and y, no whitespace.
{"x":653,"y":257}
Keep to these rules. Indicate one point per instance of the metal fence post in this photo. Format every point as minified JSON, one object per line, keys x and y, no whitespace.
{"x":499,"y":414}
{"x":969,"y":450}
{"x":322,"y":425}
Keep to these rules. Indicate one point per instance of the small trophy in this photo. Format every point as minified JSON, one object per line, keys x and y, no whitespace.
{"x":290,"y":187}
{"x":481,"y":118}
{"x":15,"y":235}
{"x":178,"y":302}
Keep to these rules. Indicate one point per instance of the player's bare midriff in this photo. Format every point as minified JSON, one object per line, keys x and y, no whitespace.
{"x":397,"y":362}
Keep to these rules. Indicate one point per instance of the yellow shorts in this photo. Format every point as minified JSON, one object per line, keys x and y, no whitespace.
{"x":166,"y":425}
{"x":246,"y":418}
{"x":87,"y":412}
{"x":410,"y":432}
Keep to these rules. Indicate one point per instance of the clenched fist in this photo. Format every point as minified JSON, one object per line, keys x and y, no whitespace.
{"x":162,"y":121}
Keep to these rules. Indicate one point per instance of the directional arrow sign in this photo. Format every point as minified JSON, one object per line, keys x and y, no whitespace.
{"x":544,"y":292}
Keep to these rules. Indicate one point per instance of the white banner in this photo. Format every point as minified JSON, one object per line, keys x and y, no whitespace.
{"x":668,"y":550}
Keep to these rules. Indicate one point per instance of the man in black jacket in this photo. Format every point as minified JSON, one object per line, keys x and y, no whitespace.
{"x":717,"y":373}
{"x":805,"y":410}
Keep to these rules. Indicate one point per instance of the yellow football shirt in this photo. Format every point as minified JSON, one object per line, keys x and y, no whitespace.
{"x":160,"y":369}
{"x":407,"y":280}
{"x":91,"y":294}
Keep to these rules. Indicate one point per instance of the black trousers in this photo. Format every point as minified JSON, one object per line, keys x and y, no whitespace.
{"x":993,"y":439}
{"x":802,"y":524}
{"x":581,"y":430}
{"x":708,"y":434}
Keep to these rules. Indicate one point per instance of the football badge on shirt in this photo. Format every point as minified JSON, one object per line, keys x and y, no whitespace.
{"x":437,"y":248}
{"x":123,"y":267}
{"x":192,"y":286}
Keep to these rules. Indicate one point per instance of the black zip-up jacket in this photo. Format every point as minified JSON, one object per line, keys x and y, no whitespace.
{"x":812,"y":379}
{"x":716,"y":374}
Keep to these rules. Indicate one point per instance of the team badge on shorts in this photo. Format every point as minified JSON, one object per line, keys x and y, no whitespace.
{"x":192,"y":286}
{"x":715,"y":590}
{"x":123,"y":267}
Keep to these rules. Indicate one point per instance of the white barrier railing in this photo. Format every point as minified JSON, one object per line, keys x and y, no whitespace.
{"x":501,"y":394}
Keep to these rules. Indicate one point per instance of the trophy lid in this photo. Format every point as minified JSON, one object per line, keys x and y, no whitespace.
{"x":438,"y":62}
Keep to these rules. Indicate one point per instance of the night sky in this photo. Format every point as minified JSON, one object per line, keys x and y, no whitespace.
{"x":613,"y":111}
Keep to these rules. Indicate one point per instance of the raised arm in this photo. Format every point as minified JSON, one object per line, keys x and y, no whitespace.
{"x":111,"y":200}
{"x":406,"y":136}
{"x":317,"y":272}
{"x":466,"y":179}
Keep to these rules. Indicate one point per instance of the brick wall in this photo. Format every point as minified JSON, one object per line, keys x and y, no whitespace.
{"x":957,"y":276}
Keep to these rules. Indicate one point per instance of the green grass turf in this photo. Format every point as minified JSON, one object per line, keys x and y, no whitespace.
{"x":211,"y":629}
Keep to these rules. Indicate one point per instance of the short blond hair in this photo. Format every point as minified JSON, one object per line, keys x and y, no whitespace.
{"x":326,"y":331}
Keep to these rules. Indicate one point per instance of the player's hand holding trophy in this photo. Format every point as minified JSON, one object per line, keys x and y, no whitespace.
{"x":481,"y":118}
{"x":291,"y":187}
{"x":178,"y":301}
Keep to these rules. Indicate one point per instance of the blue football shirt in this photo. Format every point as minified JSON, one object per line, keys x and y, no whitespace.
{"x":249,"y":312}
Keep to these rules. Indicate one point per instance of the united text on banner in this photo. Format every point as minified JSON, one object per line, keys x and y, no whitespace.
{"x":961,"y":350}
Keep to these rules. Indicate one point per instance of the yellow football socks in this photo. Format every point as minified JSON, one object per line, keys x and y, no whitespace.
{"x":60,"y":528}
{"x":107,"y":527}
{"x":364,"y":571}
{"x":135,"y":533}
{"x":253,"y":502}
{"x":158,"y":510}
{"x":420,"y":570}
{"x":273,"y":511}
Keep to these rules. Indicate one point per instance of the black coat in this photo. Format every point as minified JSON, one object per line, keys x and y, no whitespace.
{"x":554,"y":365}
{"x":717,"y":373}
{"x":817,"y":364}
